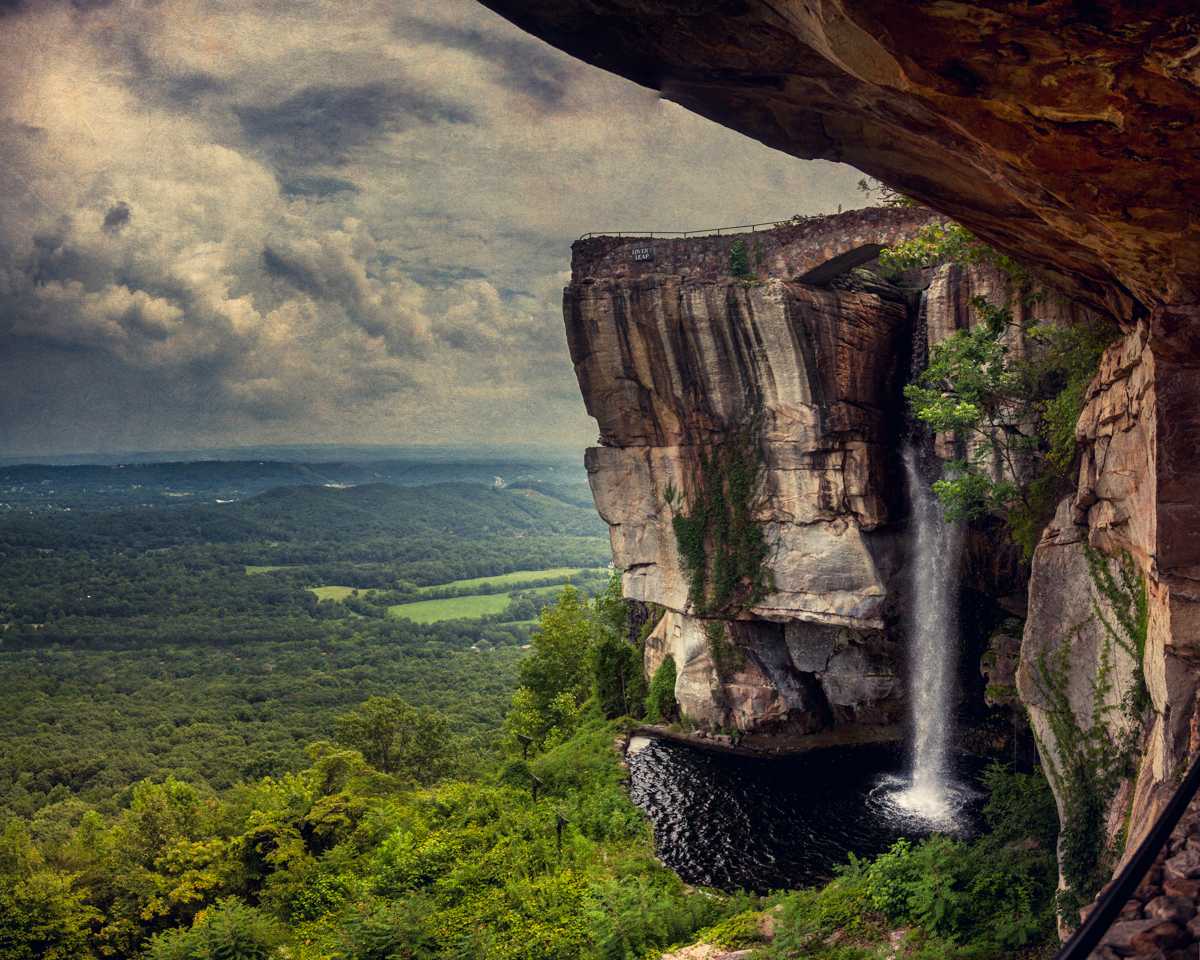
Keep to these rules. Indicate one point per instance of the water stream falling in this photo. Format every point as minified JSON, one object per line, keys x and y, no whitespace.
{"x":936,"y":547}
{"x":764,"y":824}
{"x":935,"y":551}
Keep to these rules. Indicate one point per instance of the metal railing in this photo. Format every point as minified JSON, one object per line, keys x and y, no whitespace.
{"x":1089,"y":933}
{"x":711,"y":231}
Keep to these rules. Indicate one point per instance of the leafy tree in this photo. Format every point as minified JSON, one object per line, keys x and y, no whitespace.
{"x":887,"y":196}
{"x":739,"y":261}
{"x":229,"y":931}
{"x":561,"y":643}
{"x":1017,"y":415}
{"x":661,"y":705}
{"x":397,"y":738}
{"x":579,"y":649}
{"x":41,"y":915}
{"x":618,"y":683}
{"x":162,"y":862}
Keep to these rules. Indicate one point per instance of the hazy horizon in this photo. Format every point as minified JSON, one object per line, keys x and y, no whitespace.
{"x":313,"y":453}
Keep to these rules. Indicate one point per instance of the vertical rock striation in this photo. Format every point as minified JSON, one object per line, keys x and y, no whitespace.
{"x":1138,"y":497}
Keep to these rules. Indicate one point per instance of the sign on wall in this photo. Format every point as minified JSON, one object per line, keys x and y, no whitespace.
{"x":643,"y":253}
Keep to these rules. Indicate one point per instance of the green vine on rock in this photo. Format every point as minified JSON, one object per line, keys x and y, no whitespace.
{"x":1129,"y":601}
{"x":727,"y":657}
{"x":723,"y":550}
{"x":739,"y":260}
{"x":1092,"y":761}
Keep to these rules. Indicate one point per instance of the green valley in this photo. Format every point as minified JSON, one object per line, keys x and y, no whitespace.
{"x":288,"y":727}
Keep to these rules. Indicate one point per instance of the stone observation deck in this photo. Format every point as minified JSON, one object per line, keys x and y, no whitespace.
{"x":812,"y":251}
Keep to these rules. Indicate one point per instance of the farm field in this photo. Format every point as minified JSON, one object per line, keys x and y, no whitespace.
{"x":332,"y":593}
{"x":514,"y":579}
{"x":494,"y":596}
{"x":458,"y":608}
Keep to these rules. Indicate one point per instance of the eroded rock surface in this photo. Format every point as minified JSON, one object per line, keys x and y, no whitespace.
{"x":1138,"y":497}
{"x":767,"y":679}
{"x":671,"y":367}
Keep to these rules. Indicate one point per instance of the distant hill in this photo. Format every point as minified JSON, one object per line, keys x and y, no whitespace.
{"x":310,"y":513}
{"x":47,"y":488}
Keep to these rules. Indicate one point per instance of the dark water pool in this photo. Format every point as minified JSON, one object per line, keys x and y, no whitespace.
{"x":738,"y":822}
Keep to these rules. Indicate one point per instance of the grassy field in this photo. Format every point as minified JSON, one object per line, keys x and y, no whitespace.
{"x":332,"y":593}
{"x":263,"y":569}
{"x":513,"y":580}
{"x":457,"y":608}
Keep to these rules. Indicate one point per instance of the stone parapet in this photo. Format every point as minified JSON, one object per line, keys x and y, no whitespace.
{"x":804,"y":250}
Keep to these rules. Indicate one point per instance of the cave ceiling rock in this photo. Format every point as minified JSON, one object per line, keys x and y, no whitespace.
{"x":1063,"y":134}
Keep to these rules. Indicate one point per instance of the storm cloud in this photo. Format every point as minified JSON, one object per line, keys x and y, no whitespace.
{"x":236,"y":223}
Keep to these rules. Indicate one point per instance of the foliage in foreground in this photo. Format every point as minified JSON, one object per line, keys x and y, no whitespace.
{"x":342,"y":862}
{"x":347,"y":861}
{"x":992,"y":898}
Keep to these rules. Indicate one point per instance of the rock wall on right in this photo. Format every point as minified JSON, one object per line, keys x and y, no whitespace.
{"x":1131,"y":527}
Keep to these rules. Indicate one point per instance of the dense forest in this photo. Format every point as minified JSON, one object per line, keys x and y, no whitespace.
{"x":136,"y":643}
{"x":205,"y":759}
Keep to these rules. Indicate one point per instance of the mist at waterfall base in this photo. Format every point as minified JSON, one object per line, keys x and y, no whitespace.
{"x":750,"y":823}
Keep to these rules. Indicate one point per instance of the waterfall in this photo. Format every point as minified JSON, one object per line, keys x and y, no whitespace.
{"x":935,"y":551}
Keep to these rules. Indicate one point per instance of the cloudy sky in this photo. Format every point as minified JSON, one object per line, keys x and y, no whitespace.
{"x":239,"y":222}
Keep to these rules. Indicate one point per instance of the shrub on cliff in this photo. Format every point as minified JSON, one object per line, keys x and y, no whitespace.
{"x":1016,"y":415}
{"x":661,"y":706}
{"x":739,"y":259}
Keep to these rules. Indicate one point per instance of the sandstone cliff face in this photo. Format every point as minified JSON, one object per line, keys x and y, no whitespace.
{"x":797,"y":677}
{"x":671,"y":365}
{"x":1138,"y":494}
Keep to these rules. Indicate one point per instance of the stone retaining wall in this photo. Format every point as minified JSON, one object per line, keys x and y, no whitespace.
{"x":788,"y":252}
